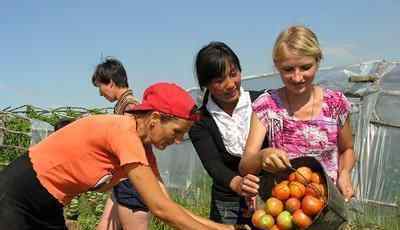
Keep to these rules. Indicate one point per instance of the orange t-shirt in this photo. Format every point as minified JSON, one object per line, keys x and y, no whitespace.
{"x":87,"y":154}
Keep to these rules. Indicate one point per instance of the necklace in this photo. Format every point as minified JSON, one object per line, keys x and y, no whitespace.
{"x":309,"y":130}
{"x":291,"y":112}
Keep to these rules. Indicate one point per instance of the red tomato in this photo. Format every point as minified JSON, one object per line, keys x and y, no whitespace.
{"x":292,"y":204}
{"x":297,"y":189}
{"x":292,"y":176}
{"x":315,"y":190}
{"x":273,"y":206}
{"x":300,"y":219}
{"x":281,"y":191}
{"x":311,"y":205}
{"x":275,"y":227}
{"x":316,"y":178}
{"x":255,"y":218}
{"x":303,"y":175}
{"x":285,"y":182}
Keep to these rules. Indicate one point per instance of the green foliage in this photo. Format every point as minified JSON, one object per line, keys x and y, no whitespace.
{"x":91,"y":206}
{"x":196,"y":199}
{"x":16,"y":139}
{"x":16,"y":127}
{"x":374,"y":217}
{"x":19,"y":138}
{"x":88,"y":208}
{"x":50,"y":118}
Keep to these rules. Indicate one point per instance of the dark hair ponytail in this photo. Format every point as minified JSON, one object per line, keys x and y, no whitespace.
{"x":205,"y":98}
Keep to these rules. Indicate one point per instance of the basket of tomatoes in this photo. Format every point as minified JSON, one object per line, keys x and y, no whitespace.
{"x":301,"y":198}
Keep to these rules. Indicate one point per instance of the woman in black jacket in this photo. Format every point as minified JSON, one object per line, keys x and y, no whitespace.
{"x":220,"y":137}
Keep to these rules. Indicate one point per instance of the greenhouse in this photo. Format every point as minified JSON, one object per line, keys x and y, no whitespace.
{"x":373,"y":89}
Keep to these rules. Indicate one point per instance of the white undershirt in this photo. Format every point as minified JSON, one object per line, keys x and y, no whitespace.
{"x":234,"y":129}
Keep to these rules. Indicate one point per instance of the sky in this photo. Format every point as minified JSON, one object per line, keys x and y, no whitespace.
{"x":49,"y":49}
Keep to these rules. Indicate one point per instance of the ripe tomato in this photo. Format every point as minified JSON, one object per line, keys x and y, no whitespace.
{"x":275,"y":227}
{"x":255,"y":218}
{"x":297,"y":189}
{"x":286,"y":182}
{"x":281,"y":191}
{"x":300,"y":219}
{"x":316,"y":178}
{"x":273,"y":206}
{"x":311,"y":205}
{"x":292,"y":204}
{"x":315,"y":190}
{"x":292,"y":176}
{"x":303,"y":175}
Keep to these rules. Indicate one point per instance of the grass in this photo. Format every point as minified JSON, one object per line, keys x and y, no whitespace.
{"x":374,"y":217}
{"x":87,"y":209}
{"x":196,"y":198}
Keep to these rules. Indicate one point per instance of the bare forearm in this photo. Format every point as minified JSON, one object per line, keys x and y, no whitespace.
{"x":347,"y":160}
{"x":178,"y":218}
{"x":204,"y":221}
{"x":210,"y":224}
{"x":250,"y":164}
{"x":159,"y":204}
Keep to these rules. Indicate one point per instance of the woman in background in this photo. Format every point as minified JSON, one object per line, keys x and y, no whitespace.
{"x":220,"y":136}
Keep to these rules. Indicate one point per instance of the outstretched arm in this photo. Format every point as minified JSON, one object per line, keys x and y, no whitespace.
{"x":202,"y":220}
{"x":254,"y":159}
{"x":160,"y":205}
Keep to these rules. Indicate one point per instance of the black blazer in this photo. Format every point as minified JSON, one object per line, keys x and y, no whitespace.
{"x":220,"y":165}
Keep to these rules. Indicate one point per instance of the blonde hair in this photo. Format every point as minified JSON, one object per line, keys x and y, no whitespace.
{"x":298,"y":39}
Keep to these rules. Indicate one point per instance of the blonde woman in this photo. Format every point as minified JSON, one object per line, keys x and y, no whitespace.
{"x":300,"y":119}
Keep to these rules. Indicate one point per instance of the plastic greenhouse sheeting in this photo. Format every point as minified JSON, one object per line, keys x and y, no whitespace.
{"x":39,"y":130}
{"x":375,"y":118}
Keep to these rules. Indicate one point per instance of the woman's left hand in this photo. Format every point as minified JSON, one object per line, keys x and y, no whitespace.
{"x":345,"y":186}
{"x":249,"y":185}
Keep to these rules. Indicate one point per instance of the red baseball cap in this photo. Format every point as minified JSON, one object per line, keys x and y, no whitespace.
{"x":168,"y":98}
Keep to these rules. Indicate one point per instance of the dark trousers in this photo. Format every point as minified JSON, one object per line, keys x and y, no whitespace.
{"x":229,"y":212}
{"x":24,"y":202}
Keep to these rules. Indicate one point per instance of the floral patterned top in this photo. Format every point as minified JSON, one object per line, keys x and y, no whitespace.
{"x":317,"y":137}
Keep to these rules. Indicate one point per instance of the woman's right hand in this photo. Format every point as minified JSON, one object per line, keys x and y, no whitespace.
{"x":274,"y":160}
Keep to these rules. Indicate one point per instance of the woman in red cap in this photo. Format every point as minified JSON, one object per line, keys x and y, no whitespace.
{"x":96,"y":152}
